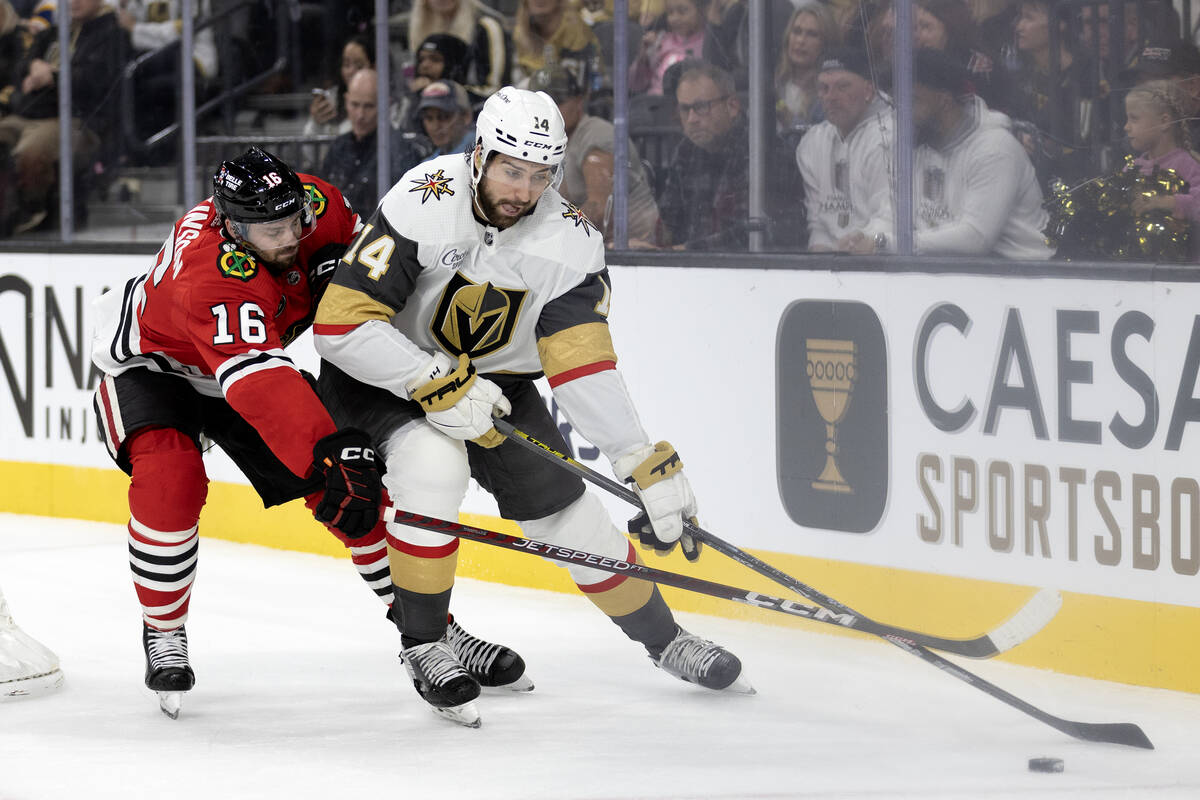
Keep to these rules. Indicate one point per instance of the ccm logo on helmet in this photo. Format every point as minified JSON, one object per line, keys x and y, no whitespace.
{"x":541,"y":145}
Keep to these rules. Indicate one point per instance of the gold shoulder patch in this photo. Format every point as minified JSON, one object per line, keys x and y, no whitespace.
{"x":238,"y":264}
{"x":317,"y":200}
{"x":434,"y":185}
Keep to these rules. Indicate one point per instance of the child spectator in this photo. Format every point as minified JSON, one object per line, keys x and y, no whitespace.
{"x":810,"y":33}
{"x":1155,"y":122}
{"x":682,"y":39}
{"x":489,"y":62}
{"x":441,"y":57}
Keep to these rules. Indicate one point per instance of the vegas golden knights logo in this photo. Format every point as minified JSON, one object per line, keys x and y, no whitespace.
{"x":475,"y":318}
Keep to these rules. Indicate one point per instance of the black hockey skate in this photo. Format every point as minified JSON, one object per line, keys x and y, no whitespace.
{"x":492,"y":665}
{"x":442,"y":682}
{"x":699,"y":661}
{"x":167,"y":669}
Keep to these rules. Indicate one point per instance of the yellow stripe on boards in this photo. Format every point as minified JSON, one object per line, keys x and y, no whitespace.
{"x":1148,"y":644}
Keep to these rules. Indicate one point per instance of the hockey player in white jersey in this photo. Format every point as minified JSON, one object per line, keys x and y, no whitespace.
{"x":477,"y":266}
{"x":27,"y":667}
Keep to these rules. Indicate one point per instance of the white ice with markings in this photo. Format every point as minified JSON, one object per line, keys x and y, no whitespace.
{"x":300,"y":694}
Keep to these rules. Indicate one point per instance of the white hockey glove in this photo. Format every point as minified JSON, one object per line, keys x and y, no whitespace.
{"x":657,"y":476}
{"x":458,"y":402}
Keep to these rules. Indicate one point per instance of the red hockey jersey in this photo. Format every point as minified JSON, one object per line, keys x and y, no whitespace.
{"x":210,"y":312}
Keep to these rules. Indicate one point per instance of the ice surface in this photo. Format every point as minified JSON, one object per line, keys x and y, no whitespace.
{"x":300,"y":694}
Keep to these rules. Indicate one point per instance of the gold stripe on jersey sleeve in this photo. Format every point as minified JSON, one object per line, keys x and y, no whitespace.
{"x":576,"y":347}
{"x":344,"y":306}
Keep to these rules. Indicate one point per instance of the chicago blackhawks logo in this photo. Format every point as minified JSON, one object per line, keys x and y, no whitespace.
{"x":317,"y":200}
{"x":573,"y":213}
{"x":237,"y":264}
{"x":435,"y":185}
{"x":475,"y":318}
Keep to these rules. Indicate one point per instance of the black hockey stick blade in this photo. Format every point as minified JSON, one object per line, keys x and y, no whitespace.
{"x":1125,"y":733}
{"x":1113,"y":733}
{"x":1030,"y":619}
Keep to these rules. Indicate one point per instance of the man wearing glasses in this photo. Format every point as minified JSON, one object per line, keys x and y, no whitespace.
{"x":705,"y":204}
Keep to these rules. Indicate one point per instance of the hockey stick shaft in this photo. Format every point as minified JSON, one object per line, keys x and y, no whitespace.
{"x":1024,"y":624}
{"x":1114,"y":733}
{"x":643,"y":572}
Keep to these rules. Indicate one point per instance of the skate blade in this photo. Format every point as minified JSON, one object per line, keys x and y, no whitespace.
{"x":740,"y":686}
{"x":466,"y":715}
{"x":170,"y":703}
{"x":521,"y":684}
{"x":32,"y":686}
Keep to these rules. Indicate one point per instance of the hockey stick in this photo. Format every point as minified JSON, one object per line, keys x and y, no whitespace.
{"x":1020,"y":627}
{"x":686,"y":582}
{"x":1125,"y":733}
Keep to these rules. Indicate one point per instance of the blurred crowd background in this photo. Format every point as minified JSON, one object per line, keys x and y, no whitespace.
{"x":1037,"y":129}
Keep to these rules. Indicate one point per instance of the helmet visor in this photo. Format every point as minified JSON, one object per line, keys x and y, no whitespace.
{"x":276,"y":242}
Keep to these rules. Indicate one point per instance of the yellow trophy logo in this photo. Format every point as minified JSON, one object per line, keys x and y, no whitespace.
{"x":832,"y":371}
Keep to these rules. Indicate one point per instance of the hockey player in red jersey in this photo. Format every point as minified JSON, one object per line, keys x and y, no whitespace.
{"x":196,"y":347}
{"x":475,"y":266}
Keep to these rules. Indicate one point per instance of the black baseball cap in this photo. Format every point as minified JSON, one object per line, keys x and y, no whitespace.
{"x":850,"y":59}
{"x":1163,"y":61}
{"x":940,"y":71}
{"x":557,"y":81}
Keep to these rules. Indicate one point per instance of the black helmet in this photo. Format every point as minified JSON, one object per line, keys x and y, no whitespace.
{"x":258,"y":187}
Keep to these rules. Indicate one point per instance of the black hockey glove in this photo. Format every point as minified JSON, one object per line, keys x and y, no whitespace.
{"x":353,"y":488}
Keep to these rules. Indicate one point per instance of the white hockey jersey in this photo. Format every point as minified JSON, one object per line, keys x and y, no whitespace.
{"x":847,"y":182}
{"x":426,"y":275}
{"x":978,"y":193}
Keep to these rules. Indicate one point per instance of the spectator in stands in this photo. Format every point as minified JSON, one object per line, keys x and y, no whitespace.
{"x":846,"y":160}
{"x":810,"y":33}
{"x":352,"y":160}
{"x":1180,"y":64}
{"x":1054,"y":123}
{"x":681,"y":39}
{"x":441,"y":56}
{"x":553,"y":30}
{"x":154,"y":33}
{"x":446,"y":118}
{"x":728,"y":42}
{"x":13,"y":41}
{"x":705,"y":204}
{"x":327,"y":111}
{"x":947,"y":25}
{"x":98,"y":50}
{"x":975,"y":191}
{"x":1156,"y":125}
{"x":588,"y":165}
{"x":489,"y":60}
{"x":1145,"y":24}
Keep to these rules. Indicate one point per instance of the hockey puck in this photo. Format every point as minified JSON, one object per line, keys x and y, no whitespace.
{"x":1045,"y":765}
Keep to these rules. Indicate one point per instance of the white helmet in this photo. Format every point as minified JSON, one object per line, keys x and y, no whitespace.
{"x":522,"y":124}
